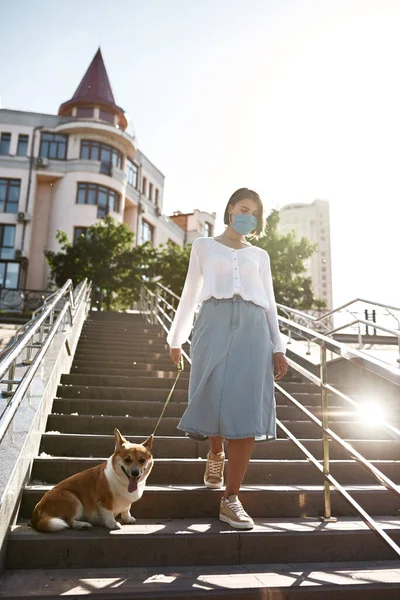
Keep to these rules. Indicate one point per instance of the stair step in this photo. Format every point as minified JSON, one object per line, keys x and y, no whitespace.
{"x":128,"y":425}
{"x":189,"y":471}
{"x":160,"y":394}
{"x":165,"y":373}
{"x":127,"y":363}
{"x":115,"y":381}
{"x":360,"y":580}
{"x":118,"y":354}
{"x":182,"y":447}
{"x":263,"y":501}
{"x":121,"y":393}
{"x":174,"y":409}
{"x":189,"y":542}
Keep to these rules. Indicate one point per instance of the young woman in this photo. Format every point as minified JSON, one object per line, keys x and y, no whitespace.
{"x":235,"y":348}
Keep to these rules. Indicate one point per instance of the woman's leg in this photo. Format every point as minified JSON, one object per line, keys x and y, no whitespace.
{"x":239,"y":454}
{"x":216,"y":444}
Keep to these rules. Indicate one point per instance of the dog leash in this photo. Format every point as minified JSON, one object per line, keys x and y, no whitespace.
{"x":180,"y":367}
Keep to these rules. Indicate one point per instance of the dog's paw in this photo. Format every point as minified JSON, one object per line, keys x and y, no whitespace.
{"x":114,"y":525}
{"x":81,"y":525}
{"x":128,"y":520}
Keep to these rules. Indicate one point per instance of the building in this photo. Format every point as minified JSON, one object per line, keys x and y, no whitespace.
{"x":194,"y":223}
{"x":312,"y":221}
{"x":68,"y":171}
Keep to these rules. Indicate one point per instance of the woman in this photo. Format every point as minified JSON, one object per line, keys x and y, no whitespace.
{"x":235,"y":347}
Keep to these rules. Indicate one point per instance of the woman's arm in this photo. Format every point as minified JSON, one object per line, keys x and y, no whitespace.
{"x":278,"y":343}
{"x":183,"y":321}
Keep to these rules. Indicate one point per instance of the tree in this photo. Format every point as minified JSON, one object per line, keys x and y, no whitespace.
{"x":171,"y":265}
{"x":107,"y":257}
{"x":288,"y":254}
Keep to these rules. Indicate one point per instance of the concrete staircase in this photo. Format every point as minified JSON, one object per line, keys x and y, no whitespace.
{"x":178,"y":548}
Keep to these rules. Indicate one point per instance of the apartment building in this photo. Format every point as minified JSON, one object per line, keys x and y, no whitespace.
{"x":195,"y":223}
{"x":312,"y":221}
{"x":68,"y":171}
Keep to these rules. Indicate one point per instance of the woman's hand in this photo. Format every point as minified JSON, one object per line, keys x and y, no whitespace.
{"x":175,"y":354}
{"x":280,"y":365}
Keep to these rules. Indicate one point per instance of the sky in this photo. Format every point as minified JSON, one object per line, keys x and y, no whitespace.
{"x":296,"y":99}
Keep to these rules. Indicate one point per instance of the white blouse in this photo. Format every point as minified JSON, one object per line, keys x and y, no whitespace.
{"x":219,"y":271}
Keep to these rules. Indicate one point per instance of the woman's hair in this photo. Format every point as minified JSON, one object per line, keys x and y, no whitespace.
{"x":242,"y":194}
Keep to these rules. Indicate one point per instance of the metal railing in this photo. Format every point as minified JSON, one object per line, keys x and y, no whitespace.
{"x":324,"y":323}
{"x":37,"y":335}
{"x":159,"y":307}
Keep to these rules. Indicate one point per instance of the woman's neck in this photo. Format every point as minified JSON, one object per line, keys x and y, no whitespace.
{"x":231,"y":234}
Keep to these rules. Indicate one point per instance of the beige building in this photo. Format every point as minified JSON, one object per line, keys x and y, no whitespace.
{"x":312,"y":221}
{"x":70,"y":170}
{"x":195,"y":223}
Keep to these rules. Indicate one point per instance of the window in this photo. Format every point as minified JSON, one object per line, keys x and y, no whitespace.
{"x":84,"y":112}
{"x":323,"y":277}
{"x":53,"y":146}
{"x":7,"y":239}
{"x":151,"y":192}
{"x":144,"y":186}
{"x":9,"y":275}
{"x":91,"y":150}
{"x":208,"y":229}
{"x":9,"y":195}
{"x":5,"y":142}
{"x":104,"y":115}
{"x":80,"y":231}
{"x":323,"y":269}
{"x":156,"y":198}
{"x":147,"y":232}
{"x":104,"y":198}
{"x":132,"y":173}
{"x":22,"y":149}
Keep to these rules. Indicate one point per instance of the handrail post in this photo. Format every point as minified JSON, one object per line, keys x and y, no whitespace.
{"x":327,"y":518}
{"x":360,"y":344}
{"x":155,"y":308}
{"x":10,"y":381}
{"x":398,"y":343}
{"x":291,"y":318}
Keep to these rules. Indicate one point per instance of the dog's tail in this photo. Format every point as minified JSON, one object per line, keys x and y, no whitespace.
{"x":49,"y":524}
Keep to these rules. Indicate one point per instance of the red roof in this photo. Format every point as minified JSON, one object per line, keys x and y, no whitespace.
{"x":95,"y":85}
{"x":95,"y":89}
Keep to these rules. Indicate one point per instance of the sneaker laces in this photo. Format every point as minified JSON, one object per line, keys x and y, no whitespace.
{"x":237,"y":508}
{"x":215,"y":467}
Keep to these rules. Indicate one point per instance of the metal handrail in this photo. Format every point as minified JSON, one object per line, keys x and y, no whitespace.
{"x":35,"y":326}
{"x":150,"y":303}
{"x":319,"y":320}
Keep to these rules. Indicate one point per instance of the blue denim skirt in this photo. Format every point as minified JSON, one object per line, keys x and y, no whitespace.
{"x":231,"y":382}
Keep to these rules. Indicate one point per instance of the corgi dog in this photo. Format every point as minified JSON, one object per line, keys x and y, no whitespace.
{"x":97,"y":495}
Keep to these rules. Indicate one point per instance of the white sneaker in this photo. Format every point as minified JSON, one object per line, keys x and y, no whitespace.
{"x":231,"y":511}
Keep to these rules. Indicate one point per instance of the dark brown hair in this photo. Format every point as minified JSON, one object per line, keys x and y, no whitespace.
{"x":246,"y":194}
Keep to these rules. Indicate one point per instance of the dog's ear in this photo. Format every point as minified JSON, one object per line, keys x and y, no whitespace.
{"x":149,"y":442}
{"x":119,"y":438}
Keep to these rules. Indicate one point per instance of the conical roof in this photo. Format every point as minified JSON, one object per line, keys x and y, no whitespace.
{"x":94,"y":89}
{"x":95,"y":85}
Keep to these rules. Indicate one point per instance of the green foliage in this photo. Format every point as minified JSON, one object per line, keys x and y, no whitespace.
{"x":108,"y":258}
{"x":171,"y":265}
{"x":287,"y":254}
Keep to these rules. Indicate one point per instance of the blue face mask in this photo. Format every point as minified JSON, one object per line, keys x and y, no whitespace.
{"x":244,"y":224}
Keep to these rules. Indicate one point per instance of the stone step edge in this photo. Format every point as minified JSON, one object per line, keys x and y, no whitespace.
{"x":290,"y":581}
